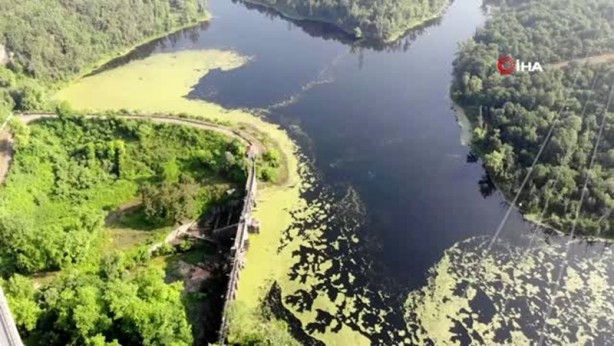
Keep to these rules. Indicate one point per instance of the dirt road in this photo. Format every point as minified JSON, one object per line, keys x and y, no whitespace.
{"x":6,"y":140}
{"x":597,"y":59}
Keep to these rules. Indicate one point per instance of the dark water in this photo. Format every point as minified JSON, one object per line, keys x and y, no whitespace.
{"x":380,"y":121}
{"x":376,"y":121}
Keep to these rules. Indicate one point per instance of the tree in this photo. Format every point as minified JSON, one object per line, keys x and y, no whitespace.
{"x":150,"y":309}
{"x":74,"y":310}
{"x":64,"y":109}
{"x":474,"y":85}
{"x":272,"y":157}
{"x":21,"y":132}
{"x":253,"y":328}
{"x":29,"y":96}
{"x":99,"y":340}
{"x":171,"y":202}
{"x":68,"y":173}
{"x":21,"y":297}
{"x":136,"y":309}
{"x":113,"y":265}
{"x":68,"y":37}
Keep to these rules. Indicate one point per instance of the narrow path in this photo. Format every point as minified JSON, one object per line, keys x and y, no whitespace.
{"x":172,"y":236}
{"x":6,"y":148}
{"x":6,"y":140}
{"x":597,"y":59}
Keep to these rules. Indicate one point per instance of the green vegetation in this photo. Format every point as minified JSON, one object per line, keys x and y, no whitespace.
{"x":268,"y":165}
{"x":62,"y":225}
{"x":512,"y":114}
{"x":384,"y":20}
{"x":47,"y":41}
{"x":248,"y":327}
{"x":170,"y":202}
{"x":68,"y":173}
{"x":113,"y":307}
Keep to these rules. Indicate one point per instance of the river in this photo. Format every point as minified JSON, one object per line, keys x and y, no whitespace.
{"x":380,"y":131}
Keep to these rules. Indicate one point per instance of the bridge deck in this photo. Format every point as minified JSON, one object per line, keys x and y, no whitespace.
{"x":238,"y":249}
{"x":9,"y":335}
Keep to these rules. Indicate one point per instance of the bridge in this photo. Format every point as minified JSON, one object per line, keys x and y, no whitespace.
{"x":9,"y":335}
{"x":246,"y":225}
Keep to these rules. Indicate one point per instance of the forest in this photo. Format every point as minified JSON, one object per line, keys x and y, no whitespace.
{"x":48,"y":41}
{"x":68,"y":174}
{"x":382,"y":20}
{"x":512,"y":114}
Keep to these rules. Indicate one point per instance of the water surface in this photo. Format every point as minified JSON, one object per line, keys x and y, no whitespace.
{"x":380,"y":121}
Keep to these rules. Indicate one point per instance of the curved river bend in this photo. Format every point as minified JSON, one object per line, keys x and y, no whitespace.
{"x":379,"y":128}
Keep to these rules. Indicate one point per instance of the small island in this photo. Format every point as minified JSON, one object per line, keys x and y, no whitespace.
{"x":382,"y":20}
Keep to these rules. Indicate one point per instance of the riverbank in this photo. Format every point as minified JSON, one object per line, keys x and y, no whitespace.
{"x":205,"y":17}
{"x":466,"y":122}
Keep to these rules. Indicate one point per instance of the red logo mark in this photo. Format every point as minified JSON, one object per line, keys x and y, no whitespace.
{"x":506,"y":65}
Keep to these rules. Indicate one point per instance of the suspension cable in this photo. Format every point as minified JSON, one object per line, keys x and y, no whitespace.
{"x":577,"y":216}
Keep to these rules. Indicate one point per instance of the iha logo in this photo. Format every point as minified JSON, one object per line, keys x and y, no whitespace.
{"x":507,"y":65}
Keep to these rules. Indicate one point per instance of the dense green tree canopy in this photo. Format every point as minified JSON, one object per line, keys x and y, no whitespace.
{"x":131,"y":308}
{"x":21,"y":297}
{"x":512,"y":114}
{"x":49,"y":41}
{"x":53,"y":40}
{"x":171,"y":202}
